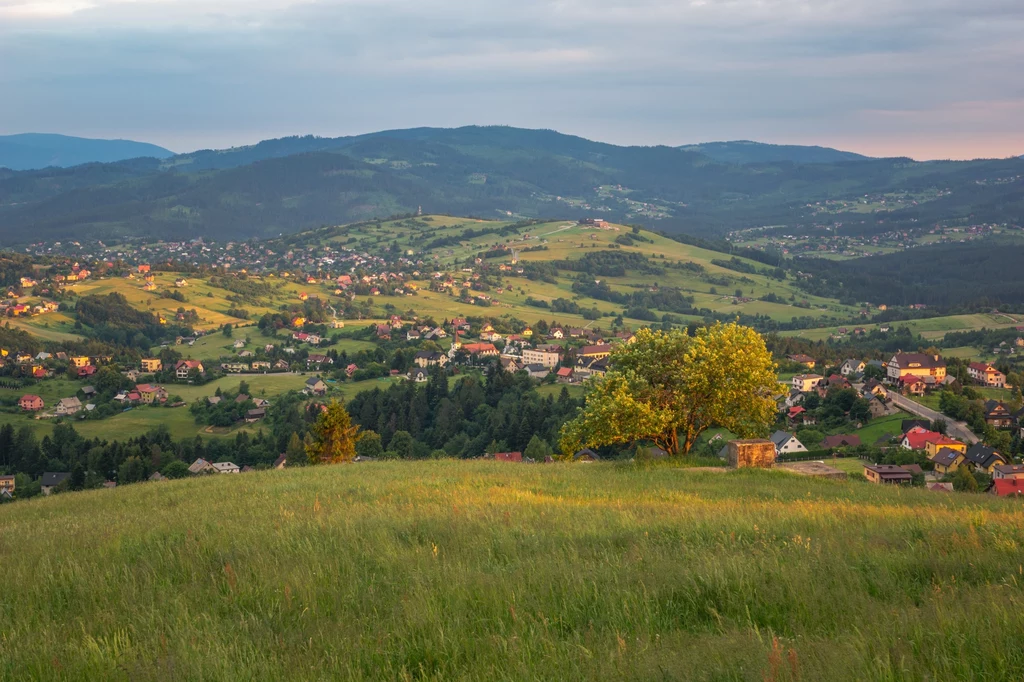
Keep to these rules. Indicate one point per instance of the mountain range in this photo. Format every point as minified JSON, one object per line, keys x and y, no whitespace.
{"x":28,"y":151}
{"x":288,"y":184}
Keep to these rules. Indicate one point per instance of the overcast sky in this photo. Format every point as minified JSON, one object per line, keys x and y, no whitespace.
{"x":922,"y":78}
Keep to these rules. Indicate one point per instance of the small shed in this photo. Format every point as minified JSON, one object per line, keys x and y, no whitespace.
{"x":751,"y":452}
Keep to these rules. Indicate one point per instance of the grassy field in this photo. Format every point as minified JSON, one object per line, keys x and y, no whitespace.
{"x":449,"y":570}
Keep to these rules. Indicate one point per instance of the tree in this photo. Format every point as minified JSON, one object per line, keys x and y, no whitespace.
{"x":964,"y":481}
{"x":295,"y":451}
{"x":401,"y":446}
{"x":132,"y":470}
{"x":940,"y":426}
{"x":874,"y":372}
{"x":175,"y":469}
{"x":669,"y":387}
{"x":537,"y":449}
{"x":333,"y":437}
{"x":369,"y":445}
{"x":227,"y":329}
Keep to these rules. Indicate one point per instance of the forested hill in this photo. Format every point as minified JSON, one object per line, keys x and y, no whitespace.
{"x":40,"y":150}
{"x":290,"y":184}
{"x":745,"y":151}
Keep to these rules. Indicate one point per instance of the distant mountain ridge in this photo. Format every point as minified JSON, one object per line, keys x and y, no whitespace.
{"x":746,"y":151}
{"x":31,"y":151}
{"x":296,"y":183}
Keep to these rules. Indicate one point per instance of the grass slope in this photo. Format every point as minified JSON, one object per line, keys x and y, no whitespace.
{"x":477,"y":570}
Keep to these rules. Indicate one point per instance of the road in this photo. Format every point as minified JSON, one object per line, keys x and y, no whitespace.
{"x":954,"y":429}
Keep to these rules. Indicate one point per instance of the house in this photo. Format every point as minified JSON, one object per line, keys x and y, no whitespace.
{"x":887,"y":473}
{"x":934,"y":444}
{"x":315,"y":386}
{"x":184,"y":368}
{"x":52,"y":479}
{"x":806,"y":382}
{"x":548,"y":358}
{"x":508,"y":456}
{"x":986,"y":375}
{"x":30,"y":402}
{"x":947,"y":460}
{"x":89,"y":391}
{"x":427,"y":358}
{"x":510,"y":364}
{"x":877,"y":407}
{"x":419,"y":375}
{"x":213,"y":399}
{"x":7,"y":484}
{"x":200,"y":466}
{"x":1008,"y":487}
{"x":148,"y":393}
{"x":940,"y":487}
{"x":254,"y":415}
{"x":281,"y":364}
{"x":585,"y":455}
{"x":68,"y":406}
{"x":1008,"y":471}
{"x":801,"y":359}
{"x":238,"y":344}
{"x":157,"y":476}
{"x":565,"y":375}
{"x":85,"y":371}
{"x":841,"y":441}
{"x":911,"y":384}
{"x":225,"y":468}
{"x":998,"y":415}
{"x":537,"y":370}
{"x":598,"y":352}
{"x":181,"y":282}
{"x":917,"y":364}
{"x":918,"y":437}
{"x":556,"y":333}
{"x":79,"y":360}
{"x":318,"y":359}
{"x":852,"y":367}
{"x":260,"y":365}
{"x":786,"y":443}
{"x":873,"y":387}
{"x":281,"y":462}
{"x":413,"y":335}
{"x":481,"y":349}
{"x":383,"y":332}
{"x":152,"y":365}
{"x":984,"y":458}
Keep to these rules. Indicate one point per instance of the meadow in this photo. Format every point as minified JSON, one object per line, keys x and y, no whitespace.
{"x":457,"y":570}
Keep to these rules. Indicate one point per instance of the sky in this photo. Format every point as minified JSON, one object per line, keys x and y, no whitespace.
{"x":921,"y":78}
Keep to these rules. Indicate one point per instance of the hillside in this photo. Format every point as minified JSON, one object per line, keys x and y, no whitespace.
{"x":29,"y":151}
{"x":287,"y":185}
{"x":446,"y":570}
{"x":745,"y":151}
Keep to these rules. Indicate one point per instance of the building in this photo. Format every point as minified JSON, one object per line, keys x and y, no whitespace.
{"x":52,"y":479}
{"x":508,"y":457}
{"x":805,"y":360}
{"x":933,"y":445}
{"x":79,"y":360}
{"x":1008,"y":471}
{"x":998,"y":415}
{"x":984,"y":458}
{"x":255,"y":414}
{"x":986,"y":375}
{"x":548,"y":358}
{"x":30,"y":402}
{"x":419,"y":375}
{"x":1008,"y":487}
{"x":427,"y":358}
{"x":835,"y":442}
{"x":184,"y":368}
{"x":537,"y":370}
{"x":598,"y":352}
{"x":806,"y":382}
{"x":947,"y":461}
{"x":148,"y":393}
{"x":917,"y":364}
{"x":565,"y":375}
{"x":152,"y":365}
{"x":852,"y":367}
{"x":481,"y":349}
{"x":225,"y":468}
{"x":200,"y":466}
{"x":315,"y":386}
{"x":68,"y":406}
{"x":7,"y":484}
{"x":786,"y":443}
{"x":887,"y":473}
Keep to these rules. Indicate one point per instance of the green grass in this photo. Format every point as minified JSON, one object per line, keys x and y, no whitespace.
{"x":449,"y":570}
{"x":882,"y":427}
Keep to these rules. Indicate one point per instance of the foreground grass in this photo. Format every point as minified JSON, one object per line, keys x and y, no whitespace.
{"x":479,"y":570}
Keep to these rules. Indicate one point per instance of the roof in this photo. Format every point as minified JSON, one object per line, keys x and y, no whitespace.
{"x":52,"y":478}
{"x":780,"y":437}
{"x":946,"y":457}
{"x":982,"y":367}
{"x":564,"y":371}
{"x":1004,"y":487}
{"x":983,"y":456}
{"x":198,"y":466}
{"x":313,"y":381}
{"x":889,"y":471}
{"x":918,"y":360}
{"x":841,"y":441}
{"x":917,"y":438}
{"x":224,"y":466}
{"x":1009,"y":469}
{"x":599,"y":348}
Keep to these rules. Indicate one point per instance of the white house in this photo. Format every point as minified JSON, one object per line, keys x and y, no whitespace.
{"x":852,"y":367}
{"x":226,"y":468}
{"x":786,"y":442}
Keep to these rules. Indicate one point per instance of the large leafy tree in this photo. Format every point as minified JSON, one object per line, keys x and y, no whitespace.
{"x":333,"y":437}
{"x":669,"y":387}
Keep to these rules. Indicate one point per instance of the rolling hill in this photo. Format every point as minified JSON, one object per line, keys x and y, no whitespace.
{"x":460,"y":570}
{"x":291,"y":184}
{"x":745,"y":151}
{"x":29,"y":151}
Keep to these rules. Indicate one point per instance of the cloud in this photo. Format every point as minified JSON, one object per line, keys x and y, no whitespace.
{"x":185,"y":72}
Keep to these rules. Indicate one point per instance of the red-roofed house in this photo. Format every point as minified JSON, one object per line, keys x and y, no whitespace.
{"x":564,"y":375}
{"x":508,"y":456}
{"x":481,"y":349}
{"x":1008,"y":487}
{"x":986,"y":375}
{"x":184,"y":367}
{"x":30,"y":402}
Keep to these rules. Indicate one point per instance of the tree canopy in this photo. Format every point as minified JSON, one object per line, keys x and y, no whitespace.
{"x":333,"y":436}
{"x":669,"y":387}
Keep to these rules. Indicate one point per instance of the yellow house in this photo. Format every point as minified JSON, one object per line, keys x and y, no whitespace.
{"x":527,"y":333}
{"x":806,"y":382}
{"x":947,"y":461}
{"x":917,"y":364}
{"x":80,"y":360}
{"x":152,"y":364}
{"x":298,"y":322}
{"x":932,"y":447}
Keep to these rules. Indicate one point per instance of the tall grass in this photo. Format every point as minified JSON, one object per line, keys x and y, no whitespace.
{"x":448,"y":570}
